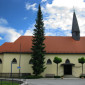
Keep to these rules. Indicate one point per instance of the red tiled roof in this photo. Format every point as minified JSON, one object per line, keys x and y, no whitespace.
{"x":54,"y":44}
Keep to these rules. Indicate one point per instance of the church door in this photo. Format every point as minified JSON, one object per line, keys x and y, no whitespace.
{"x":67,"y":69}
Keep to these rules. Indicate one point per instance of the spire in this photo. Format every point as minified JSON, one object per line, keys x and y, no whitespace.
{"x":75,"y":28}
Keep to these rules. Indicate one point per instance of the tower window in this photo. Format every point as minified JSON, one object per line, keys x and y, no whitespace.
{"x":77,"y":33}
{"x":14,"y":61}
{"x":49,"y":61}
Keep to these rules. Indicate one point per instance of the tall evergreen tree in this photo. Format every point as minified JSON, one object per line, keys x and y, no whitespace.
{"x":38,"y":45}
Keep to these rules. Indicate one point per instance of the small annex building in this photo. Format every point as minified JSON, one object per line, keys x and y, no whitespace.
{"x":67,"y":48}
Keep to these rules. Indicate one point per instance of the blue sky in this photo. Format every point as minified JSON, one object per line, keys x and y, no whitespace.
{"x":17,"y":17}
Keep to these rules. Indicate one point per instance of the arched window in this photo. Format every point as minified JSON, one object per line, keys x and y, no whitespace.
{"x":30,"y":62}
{"x":0,"y":61}
{"x":67,"y":61}
{"x":49,"y":61}
{"x":14,"y":61}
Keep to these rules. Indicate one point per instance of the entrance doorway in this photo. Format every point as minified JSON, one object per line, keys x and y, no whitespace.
{"x":67,"y":69}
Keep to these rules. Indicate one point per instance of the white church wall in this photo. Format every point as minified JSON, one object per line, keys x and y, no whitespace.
{"x":76,"y":69}
{"x":50,"y":68}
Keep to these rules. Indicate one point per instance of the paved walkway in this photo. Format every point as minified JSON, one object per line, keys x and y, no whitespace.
{"x":55,"y":81}
{"x":52,"y":81}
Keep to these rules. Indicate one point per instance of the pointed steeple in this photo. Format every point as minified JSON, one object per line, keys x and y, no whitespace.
{"x":75,"y":28}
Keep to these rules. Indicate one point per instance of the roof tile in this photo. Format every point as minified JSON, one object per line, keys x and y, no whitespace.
{"x":54,"y":44}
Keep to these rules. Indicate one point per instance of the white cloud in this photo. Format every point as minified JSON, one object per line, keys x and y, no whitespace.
{"x":29,"y":32}
{"x":3,"y":21}
{"x":0,"y":38}
{"x":59,"y":14}
{"x":10,"y":33}
{"x":68,"y":3}
{"x":31,"y":6}
{"x":50,"y":34}
{"x":43,"y":1}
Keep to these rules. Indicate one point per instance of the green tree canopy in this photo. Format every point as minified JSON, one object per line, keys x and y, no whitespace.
{"x":57,"y":60}
{"x":82,"y":61}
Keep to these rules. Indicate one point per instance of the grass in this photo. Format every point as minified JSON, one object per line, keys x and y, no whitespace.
{"x":8,"y":83}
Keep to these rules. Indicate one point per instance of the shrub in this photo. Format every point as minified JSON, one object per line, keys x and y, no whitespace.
{"x":32,"y":77}
{"x":57,"y":76}
{"x":82,"y":76}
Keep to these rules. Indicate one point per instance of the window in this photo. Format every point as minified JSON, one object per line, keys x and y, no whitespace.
{"x":0,"y":61}
{"x":30,"y":62}
{"x":14,"y":61}
{"x":77,"y":33}
{"x":49,"y":61}
{"x":67,"y":61}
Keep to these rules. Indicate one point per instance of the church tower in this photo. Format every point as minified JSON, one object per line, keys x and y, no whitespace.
{"x":75,"y":28}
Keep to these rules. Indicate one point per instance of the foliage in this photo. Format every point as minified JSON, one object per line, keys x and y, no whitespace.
{"x":57,"y":76}
{"x":32,"y":77}
{"x":82,"y":76}
{"x":38,"y":45}
{"x":81,"y":60}
{"x":57,"y":60}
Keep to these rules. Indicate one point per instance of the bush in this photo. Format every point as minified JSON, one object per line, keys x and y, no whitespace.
{"x":57,"y":76}
{"x":32,"y":77}
{"x":82,"y":76}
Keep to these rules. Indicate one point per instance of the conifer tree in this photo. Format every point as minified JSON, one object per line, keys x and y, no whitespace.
{"x":38,"y":45}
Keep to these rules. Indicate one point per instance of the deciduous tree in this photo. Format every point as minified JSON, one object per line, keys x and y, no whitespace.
{"x":82,"y":61}
{"x":57,"y":60}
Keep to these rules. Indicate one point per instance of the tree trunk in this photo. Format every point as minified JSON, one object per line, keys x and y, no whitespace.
{"x":57,"y":69}
{"x":82,"y":69}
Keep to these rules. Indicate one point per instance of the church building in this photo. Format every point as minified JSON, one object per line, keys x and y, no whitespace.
{"x":15,"y":57}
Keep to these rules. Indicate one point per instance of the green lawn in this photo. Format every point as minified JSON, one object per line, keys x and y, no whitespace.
{"x":8,"y":83}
